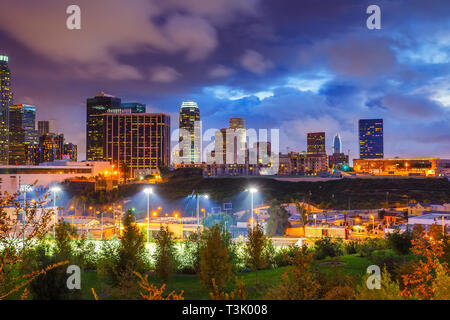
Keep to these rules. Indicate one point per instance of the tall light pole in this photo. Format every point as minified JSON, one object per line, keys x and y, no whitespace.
{"x":24,"y":188}
{"x":55,"y":190}
{"x":373,"y":223}
{"x":252,"y":191}
{"x":315,"y":220}
{"x":197,"y":208}
{"x":148,"y":191}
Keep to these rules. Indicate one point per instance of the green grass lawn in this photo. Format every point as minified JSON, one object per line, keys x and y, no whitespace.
{"x":354,"y":265}
{"x":193,"y":288}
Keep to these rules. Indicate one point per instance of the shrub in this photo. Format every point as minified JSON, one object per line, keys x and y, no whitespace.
{"x":351,"y":247}
{"x":325,"y":247}
{"x":164,"y":254}
{"x":400,"y":242}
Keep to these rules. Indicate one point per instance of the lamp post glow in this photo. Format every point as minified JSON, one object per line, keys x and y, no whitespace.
{"x":55,"y":190}
{"x":315,"y":220}
{"x":197,"y":210}
{"x":24,"y":188}
{"x":252,"y":191}
{"x":373,"y":223}
{"x":148,"y":191}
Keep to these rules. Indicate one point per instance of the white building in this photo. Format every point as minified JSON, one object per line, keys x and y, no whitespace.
{"x":429,"y":219}
{"x":48,"y":173}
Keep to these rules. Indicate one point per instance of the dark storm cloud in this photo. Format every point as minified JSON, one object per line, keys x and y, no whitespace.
{"x":295,"y":65}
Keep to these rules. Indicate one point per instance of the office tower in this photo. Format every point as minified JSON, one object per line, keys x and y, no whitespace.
{"x":371,"y":138}
{"x":337,"y":144}
{"x":138,"y":140}
{"x":316,"y":142}
{"x":6,"y":99}
{"x":96,"y":107}
{"x":17,"y":149}
{"x":190,"y":121}
{"x":50,"y":147}
{"x":43,"y":128}
{"x":236,"y":123}
{"x":29,"y":124}
{"x":70,"y":150}
{"x":132,"y":107}
{"x":53,"y":126}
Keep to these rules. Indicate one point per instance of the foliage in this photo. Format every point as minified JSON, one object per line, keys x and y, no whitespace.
{"x":351,"y":247}
{"x":37,"y":223}
{"x":297,"y":283}
{"x":151,"y":292}
{"x":419,"y":282}
{"x":214,"y":260}
{"x":278,"y":219}
{"x":190,"y":259}
{"x":326,"y":247}
{"x":221,"y":219}
{"x":239,"y":293}
{"x":164,"y":254}
{"x":368,"y":246}
{"x":301,"y":210}
{"x":400,"y":242}
{"x":256,"y":243}
{"x":389,"y":290}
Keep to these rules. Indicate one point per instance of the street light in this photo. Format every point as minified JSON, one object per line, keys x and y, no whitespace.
{"x":252,"y":191}
{"x":55,"y":190}
{"x":148,"y":191}
{"x":315,"y":219}
{"x":373,"y":223}
{"x":24,"y":188}
{"x":197,"y":198}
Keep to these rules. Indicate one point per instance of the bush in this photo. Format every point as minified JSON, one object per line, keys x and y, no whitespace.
{"x":325,"y":247}
{"x":400,"y":242}
{"x":351,"y":247}
{"x":368,"y":246}
{"x":165,"y":254}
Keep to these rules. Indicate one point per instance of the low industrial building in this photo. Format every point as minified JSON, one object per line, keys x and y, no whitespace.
{"x":426,"y":167}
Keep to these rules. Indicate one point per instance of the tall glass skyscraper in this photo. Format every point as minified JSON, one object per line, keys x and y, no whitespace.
{"x":337,"y":144}
{"x":6,"y":99}
{"x":22,"y":132}
{"x":371,"y":138}
{"x":190,"y":121}
{"x":96,"y":107}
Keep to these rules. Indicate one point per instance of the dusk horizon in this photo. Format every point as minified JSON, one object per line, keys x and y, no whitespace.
{"x":296,"y":67}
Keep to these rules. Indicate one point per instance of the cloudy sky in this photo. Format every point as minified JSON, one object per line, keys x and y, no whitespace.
{"x":299,"y":66}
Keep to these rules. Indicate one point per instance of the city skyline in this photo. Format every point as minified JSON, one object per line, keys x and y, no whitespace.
{"x":292,"y":72}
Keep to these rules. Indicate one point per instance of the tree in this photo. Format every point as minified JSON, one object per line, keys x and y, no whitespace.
{"x":418,"y":231}
{"x":278,"y":219}
{"x":389,"y":290}
{"x":435,"y":232}
{"x":418,"y":283}
{"x":214,"y":260}
{"x":302,"y":212}
{"x":151,"y":292}
{"x":130,"y":256}
{"x":298,"y":283}
{"x":164,"y":254}
{"x":52,"y":284}
{"x":222,"y":219}
{"x":18,"y":238}
{"x":256,"y":242}
{"x":400,"y":242}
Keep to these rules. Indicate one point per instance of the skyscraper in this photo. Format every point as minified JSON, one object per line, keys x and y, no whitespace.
{"x":29,"y":124}
{"x":337,"y":144}
{"x":43,"y":127}
{"x":22,"y":132}
{"x":190,"y":121}
{"x":6,"y":99}
{"x":133,"y":107}
{"x":96,"y":107}
{"x":316,"y":142}
{"x":139,"y":140}
{"x":236,"y":123}
{"x":370,"y":138}
{"x":17,"y":149}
